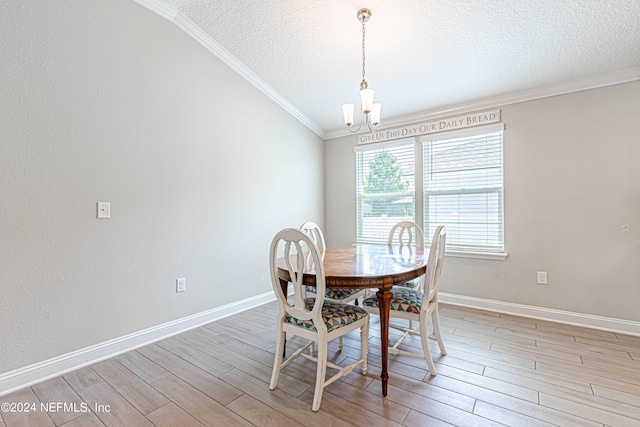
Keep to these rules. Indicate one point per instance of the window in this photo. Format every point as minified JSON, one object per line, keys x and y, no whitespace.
{"x":385,"y":189}
{"x":463,"y":189}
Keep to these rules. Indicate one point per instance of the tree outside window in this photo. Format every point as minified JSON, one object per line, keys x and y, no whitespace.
{"x":385,"y":189}
{"x":385,"y":181}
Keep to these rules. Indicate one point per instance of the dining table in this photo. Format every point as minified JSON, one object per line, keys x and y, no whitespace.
{"x":366,"y":265}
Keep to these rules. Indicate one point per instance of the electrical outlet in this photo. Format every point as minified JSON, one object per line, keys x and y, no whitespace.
{"x":181,"y":284}
{"x":542,"y":277}
{"x":104,"y":210}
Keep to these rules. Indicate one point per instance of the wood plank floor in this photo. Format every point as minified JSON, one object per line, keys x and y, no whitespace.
{"x":499,"y":370}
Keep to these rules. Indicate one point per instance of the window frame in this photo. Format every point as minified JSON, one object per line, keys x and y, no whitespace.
{"x":485,"y":252}
{"x":419,"y":190}
{"x":360,"y":168}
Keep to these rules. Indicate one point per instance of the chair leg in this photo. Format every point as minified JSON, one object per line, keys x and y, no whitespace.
{"x":436,"y":330}
{"x":424,"y":338}
{"x":364,"y":346}
{"x":277,"y":359}
{"x":320,"y":374}
{"x":340,"y":343}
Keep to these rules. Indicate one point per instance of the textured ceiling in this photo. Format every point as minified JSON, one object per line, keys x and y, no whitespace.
{"x":421,"y":54}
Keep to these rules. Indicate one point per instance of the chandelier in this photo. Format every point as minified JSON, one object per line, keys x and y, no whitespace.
{"x":370,"y":110}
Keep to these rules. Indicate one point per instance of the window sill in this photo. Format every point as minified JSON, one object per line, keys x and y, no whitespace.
{"x":496,"y":256}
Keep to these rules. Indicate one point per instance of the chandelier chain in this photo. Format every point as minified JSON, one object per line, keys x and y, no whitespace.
{"x":363,"y":57}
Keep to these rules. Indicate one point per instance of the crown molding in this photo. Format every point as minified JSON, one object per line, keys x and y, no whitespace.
{"x":173,"y":15}
{"x":198,"y":34}
{"x":161,"y":8}
{"x":591,"y":82}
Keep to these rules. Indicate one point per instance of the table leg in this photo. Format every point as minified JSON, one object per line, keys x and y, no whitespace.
{"x":384,"y":303}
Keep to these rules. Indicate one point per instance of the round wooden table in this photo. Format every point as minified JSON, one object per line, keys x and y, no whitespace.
{"x":369,"y":266}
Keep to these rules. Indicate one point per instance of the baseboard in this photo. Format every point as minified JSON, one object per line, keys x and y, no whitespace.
{"x":42,"y":371}
{"x":609,"y":324}
{"x":38,"y":372}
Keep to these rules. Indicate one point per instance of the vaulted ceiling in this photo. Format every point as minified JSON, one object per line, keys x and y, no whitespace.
{"x":421,"y":55}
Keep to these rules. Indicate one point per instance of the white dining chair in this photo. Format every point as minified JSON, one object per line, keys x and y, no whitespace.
{"x":312,"y":229}
{"x":408,"y":235}
{"x":346,"y":296}
{"x":411,"y":304}
{"x":316,"y":319}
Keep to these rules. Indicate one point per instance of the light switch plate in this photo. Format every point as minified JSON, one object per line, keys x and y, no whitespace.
{"x":181,"y":284}
{"x":104,"y":210}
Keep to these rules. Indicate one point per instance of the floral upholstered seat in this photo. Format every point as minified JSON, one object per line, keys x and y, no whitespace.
{"x":336,"y":294}
{"x":414,"y":284}
{"x":334,"y":315}
{"x":404,"y":299}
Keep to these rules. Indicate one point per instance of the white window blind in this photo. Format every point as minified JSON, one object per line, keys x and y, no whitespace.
{"x":385,"y":189}
{"x":463,"y":189}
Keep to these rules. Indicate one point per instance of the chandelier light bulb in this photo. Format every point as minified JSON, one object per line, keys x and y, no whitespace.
{"x":375,"y":114}
{"x":366,"y":97}
{"x":347,"y":111}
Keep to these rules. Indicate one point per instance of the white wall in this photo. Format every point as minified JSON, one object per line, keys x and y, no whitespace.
{"x":572,"y":179}
{"x":106,"y":101}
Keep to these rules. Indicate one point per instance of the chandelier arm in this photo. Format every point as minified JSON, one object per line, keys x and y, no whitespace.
{"x":370,"y":125}
{"x":356,"y":130}
{"x":367,"y":121}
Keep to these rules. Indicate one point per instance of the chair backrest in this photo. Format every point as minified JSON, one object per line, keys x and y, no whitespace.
{"x":312,"y":230}
{"x":298,"y":255}
{"x":409,"y":234}
{"x":434,"y":264}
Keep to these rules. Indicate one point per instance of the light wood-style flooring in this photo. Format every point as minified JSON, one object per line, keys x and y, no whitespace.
{"x":500,"y":370}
